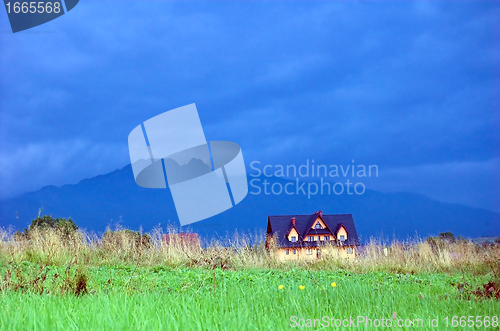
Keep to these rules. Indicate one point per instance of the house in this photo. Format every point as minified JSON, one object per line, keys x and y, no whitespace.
{"x":182,"y":240}
{"x":293,"y":237}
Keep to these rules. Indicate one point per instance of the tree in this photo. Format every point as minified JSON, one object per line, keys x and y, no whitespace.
{"x":441,"y":241}
{"x":447,"y":236}
{"x":63,"y":227}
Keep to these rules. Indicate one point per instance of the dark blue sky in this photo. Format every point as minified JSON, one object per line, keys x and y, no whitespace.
{"x":412,"y":87}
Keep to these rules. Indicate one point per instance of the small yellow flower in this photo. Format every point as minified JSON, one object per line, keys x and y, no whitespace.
{"x":334,"y":284}
{"x":302,"y":287}
{"x":280,"y":287}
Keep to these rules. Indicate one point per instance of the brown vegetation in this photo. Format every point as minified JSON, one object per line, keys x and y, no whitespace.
{"x":122,"y":247}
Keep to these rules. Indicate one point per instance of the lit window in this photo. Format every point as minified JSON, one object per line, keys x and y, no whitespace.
{"x":293,"y":239}
{"x":327,"y":238}
{"x":294,"y":251}
{"x":311,"y":238}
{"x":349,"y":250}
{"x":287,"y":252}
{"x":342,"y":238}
{"x":318,"y":226}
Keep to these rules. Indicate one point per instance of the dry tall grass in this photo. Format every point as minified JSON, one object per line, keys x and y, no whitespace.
{"x":50,"y":248}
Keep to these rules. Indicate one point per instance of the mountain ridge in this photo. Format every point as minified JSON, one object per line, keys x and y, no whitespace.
{"x":114,"y":197}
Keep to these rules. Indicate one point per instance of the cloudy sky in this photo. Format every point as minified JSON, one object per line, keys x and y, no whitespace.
{"x":412,"y":87}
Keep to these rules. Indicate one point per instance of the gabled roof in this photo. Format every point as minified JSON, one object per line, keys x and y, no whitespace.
{"x":280,"y":225}
{"x":339,"y":226}
{"x":312,"y":219}
{"x":310,"y":223}
{"x":290,"y":227}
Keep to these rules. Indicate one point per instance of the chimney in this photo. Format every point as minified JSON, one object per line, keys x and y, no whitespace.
{"x":320,"y":213}
{"x":293,"y":221}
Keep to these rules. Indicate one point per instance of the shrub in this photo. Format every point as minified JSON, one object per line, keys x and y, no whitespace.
{"x":444,"y":239}
{"x":447,"y":236}
{"x":65,"y":228}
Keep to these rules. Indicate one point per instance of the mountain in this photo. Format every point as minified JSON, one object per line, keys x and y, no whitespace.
{"x":108,"y":199}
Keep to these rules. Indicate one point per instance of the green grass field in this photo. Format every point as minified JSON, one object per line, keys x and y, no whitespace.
{"x":161,"y":298}
{"x":50,"y":280}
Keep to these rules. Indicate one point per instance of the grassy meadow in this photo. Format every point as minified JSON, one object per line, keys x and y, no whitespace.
{"x":77,"y":281}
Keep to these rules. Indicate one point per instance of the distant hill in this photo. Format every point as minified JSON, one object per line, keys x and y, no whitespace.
{"x":107,"y":199}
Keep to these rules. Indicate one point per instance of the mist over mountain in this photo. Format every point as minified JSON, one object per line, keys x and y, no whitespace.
{"x":115,"y":198}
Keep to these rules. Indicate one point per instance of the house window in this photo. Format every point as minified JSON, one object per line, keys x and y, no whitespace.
{"x":287,"y":252}
{"x":309,"y":251}
{"x":294,"y":251}
{"x":311,"y":238}
{"x":293,"y":239}
{"x":342,"y":238}
{"x":327,"y":238}
{"x":318,"y":226}
{"x":349,"y":250}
